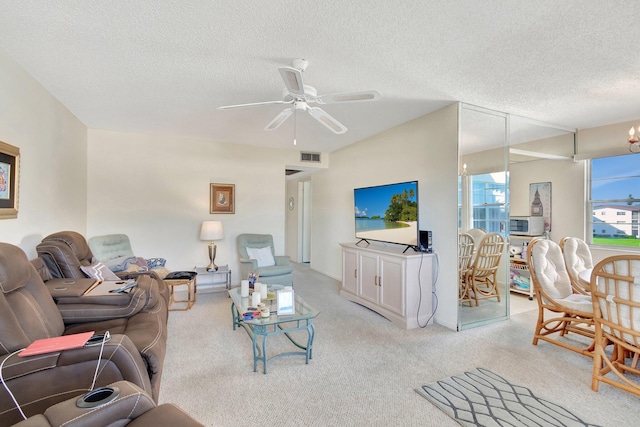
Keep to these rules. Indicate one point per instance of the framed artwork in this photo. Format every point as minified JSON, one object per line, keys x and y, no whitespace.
{"x":9,"y":174}
{"x":540,"y":202}
{"x":222,"y":198}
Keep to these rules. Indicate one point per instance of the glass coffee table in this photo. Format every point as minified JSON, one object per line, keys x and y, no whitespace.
{"x":264,"y":327}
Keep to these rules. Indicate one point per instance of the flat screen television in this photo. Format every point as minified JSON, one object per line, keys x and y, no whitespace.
{"x":388,"y":213}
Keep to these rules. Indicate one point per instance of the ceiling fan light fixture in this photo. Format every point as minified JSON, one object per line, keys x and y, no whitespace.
{"x":634,"y":146}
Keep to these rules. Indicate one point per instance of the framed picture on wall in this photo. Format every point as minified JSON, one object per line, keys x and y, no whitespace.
{"x":222,"y":198}
{"x":9,"y":174}
{"x":540,"y":202}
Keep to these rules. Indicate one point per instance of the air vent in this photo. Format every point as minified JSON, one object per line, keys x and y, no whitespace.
{"x":310,"y":157}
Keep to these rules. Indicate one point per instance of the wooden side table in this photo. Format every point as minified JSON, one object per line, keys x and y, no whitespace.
{"x":192,"y":290}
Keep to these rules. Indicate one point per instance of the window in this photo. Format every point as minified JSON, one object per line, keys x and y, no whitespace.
{"x":488,"y":196}
{"x":614,"y":180}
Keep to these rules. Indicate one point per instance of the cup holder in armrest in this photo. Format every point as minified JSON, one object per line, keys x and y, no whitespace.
{"x":97,"y":340}
{"x":98,"y":397}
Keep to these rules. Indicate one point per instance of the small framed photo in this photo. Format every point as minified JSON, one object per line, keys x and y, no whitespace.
{"x":222,"y":198}
{"x":285,"y":302}
{"x":9,"y":174}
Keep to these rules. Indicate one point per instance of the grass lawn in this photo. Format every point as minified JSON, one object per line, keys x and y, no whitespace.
{"x":630,"y":242}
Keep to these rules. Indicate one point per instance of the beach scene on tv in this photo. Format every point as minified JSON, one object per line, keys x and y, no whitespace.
{"x":387,"y":213}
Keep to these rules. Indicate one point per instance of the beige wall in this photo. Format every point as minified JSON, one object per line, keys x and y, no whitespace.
{"x":424,"y":149}
{"x":567,"y":193}
{"x":52,"y":143}
{"x":155,"y":189}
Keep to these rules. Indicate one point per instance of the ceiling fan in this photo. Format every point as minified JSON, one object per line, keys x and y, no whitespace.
{"x":299,"y":96}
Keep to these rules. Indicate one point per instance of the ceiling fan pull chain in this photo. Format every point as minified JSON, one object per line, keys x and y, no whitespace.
{"x":295,"y":121}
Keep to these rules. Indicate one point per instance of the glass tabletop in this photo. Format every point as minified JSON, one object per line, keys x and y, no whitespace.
{"x":304,"y":311}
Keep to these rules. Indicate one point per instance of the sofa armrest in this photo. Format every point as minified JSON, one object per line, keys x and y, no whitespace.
{"x":282,"y":260}
{"x":130,"y":402}
{"x":249,"y":263}
{"x":105,"y":307}
{"x":150,"y":281}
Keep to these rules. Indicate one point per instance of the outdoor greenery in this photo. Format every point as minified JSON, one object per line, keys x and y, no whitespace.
{"x":401,"y":208}
{"x":617,"y":241}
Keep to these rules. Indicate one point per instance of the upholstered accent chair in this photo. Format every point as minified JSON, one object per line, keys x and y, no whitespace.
{"x":615,"y":290}
{"x":577,"y":258}
{"x":567,"y":311}
{"x":115,"y":251}
{"x":257,"y":255}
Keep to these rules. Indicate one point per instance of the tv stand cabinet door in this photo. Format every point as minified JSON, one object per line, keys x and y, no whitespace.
{"x":369,"y":289}
{"x":392,"y":281}
{"x":350,"y":271}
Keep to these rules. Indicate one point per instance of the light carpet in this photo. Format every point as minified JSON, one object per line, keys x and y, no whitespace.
{"x":364,"y":370}
{"x":483,"y":398}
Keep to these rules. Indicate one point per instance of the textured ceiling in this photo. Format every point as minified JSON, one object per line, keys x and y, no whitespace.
{"x":165,"y":66}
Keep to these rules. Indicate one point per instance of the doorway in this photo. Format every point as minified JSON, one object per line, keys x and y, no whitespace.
{"x":304,"y":222}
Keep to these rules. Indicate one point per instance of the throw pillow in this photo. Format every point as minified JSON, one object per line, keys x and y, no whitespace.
{"x":99,"y":271}
{"x":262,"y":255}
{"x":156,"y":262}
{"x":120,"y":263}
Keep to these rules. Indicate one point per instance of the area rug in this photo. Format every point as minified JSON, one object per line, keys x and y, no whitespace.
{"x":483,"y":398}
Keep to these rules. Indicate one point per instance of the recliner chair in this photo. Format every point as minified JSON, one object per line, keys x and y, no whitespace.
{"x":27,"y":313}
{"x":116,"y":248}
{"x":272,"y":269}
{"x":65,"y":252}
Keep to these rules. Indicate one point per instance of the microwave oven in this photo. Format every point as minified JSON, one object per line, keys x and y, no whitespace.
{"x":526,"y":225}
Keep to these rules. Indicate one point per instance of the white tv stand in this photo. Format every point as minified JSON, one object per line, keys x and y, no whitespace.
{"x":386,"y":280}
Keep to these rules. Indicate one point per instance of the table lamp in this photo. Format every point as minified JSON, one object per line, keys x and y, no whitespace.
{"x":211,"y":230}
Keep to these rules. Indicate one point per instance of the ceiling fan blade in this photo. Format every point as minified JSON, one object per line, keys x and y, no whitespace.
{"x":279,"y":119}
{"x":369,"y":95}
{"x":229,"y":107}
{"x":292,"y":80}
{"x":323,"y":117}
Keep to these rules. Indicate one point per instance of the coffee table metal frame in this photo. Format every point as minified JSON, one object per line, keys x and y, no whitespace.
{"x":302,"y":320}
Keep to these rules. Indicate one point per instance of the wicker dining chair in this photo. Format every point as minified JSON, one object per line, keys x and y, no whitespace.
{"x":577,"y":258}
{"x":465,"y":254}
{"x":615,"y":290}
{"x":571,"y":312}
{"x":481,"y":277}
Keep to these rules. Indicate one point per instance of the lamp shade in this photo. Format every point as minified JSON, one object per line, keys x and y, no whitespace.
{"x":211,"y":230}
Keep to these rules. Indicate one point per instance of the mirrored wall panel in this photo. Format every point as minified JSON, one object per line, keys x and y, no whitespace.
{"x":507,"y":166}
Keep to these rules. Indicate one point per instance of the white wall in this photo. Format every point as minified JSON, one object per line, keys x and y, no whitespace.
{"x":424,"y":149}
{"x":52,"y":143}
{"x":155,"y":189}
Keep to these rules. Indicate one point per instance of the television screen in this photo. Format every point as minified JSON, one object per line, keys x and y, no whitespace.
{"x":388,"y":213}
